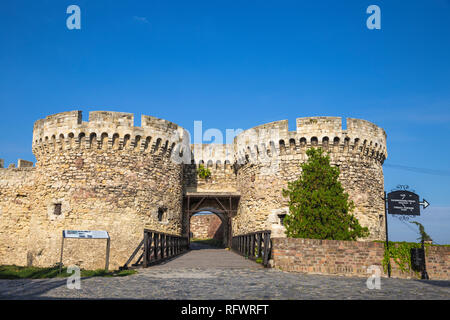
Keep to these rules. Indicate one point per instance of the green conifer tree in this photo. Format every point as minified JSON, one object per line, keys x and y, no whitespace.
{"x":318,"y":206}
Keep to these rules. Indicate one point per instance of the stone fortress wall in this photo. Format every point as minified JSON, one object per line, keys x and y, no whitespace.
{"x":104,"y":174}
{"x":17,"y":185}
{"x":107,"y":174}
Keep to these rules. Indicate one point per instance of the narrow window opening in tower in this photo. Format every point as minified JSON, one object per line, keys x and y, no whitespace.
{"x":281,"y":217}
{"x":57,"y":209}
{"x":161,"y":213}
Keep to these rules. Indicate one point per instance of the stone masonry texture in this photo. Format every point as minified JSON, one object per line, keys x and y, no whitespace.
{"x":107,"y":174}
{"x":349,"y":258}
{"x":206,"y":227}
{"x":218,"y":274}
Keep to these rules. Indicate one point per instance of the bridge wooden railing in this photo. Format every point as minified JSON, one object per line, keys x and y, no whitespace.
{"x":157,"y":247}
{"x":255,"y":246}
{"x":133,"y":255}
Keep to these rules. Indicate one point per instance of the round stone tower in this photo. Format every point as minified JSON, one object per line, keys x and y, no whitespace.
{"x":107,"y":174}
{"x":104,"y":174}
{"x":268,"y":156}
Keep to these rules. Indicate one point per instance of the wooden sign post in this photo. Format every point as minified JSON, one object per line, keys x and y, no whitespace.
{"x":78,"y":234}
{"x":404,"y":203}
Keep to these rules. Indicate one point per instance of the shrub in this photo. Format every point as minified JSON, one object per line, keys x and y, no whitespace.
{"x":318,"y":206}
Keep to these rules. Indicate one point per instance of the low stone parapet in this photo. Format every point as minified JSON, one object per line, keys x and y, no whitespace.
{"x":349,"y":258}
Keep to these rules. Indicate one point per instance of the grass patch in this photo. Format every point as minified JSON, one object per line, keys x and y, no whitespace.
{"x":17,"y":272}
{"x":211,"y":242}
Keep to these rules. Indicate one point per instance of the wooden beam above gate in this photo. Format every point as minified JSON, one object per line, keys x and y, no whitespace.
{"x":226,"y":202}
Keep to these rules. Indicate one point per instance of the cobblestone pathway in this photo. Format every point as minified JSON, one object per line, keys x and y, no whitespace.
{"x":203,"y":257}
{"x":220,"y":274}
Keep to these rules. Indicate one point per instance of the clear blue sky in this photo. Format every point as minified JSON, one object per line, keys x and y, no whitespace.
{"x":237,"y":64}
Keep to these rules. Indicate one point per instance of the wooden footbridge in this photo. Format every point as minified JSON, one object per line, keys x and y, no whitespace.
{"x":158,"y":248}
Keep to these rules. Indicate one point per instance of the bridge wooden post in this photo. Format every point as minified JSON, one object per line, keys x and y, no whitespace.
{"x":266,"y":248}
{"x":145,"y":262}
{"x":188,"y":214}
{"x":161,"y":246}
{"x":259,"y":244}
{"x":229,"y":232}
{"x":155,"y":246}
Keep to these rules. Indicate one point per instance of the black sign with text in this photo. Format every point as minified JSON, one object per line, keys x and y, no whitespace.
{"x":403,"y":202}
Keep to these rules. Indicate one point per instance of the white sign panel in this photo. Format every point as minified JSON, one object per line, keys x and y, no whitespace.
{"x":80,"y":234}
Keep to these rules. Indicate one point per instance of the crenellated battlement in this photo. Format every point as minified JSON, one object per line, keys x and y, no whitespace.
{"x":316,"y":125}
{"x":104,"y":130}
{"x":116,"y":130}
{"x":361,"y":136}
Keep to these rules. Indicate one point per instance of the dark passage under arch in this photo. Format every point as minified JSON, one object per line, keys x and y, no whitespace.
{"x":223,"y":204}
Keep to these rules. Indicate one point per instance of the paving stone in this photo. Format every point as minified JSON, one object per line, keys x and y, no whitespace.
{"x":221,"y":274}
